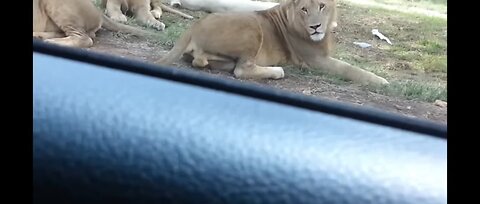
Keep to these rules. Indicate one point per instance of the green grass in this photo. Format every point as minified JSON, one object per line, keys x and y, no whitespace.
{"x":438,"y":5}
{"x":416,"y":64}
{"x":416,"y":38}
{"x":434,"y":64}
{"x":175,"y":27}
{"x":302,"y":72}
{"x":166,"y":38}
{"x":414,"y":90}
{"x":425,"y":7}
{"x":97,"y":3}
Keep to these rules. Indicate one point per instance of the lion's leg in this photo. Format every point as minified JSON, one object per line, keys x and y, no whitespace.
{"x":75,"y":30}
{"x":75,"y":37}
{"x":202,"y":60}
{"x":92,"y":34}
{"x":220,"y":63}
{"x":249,"y":70}
{"x":246,"y":66}
{"x":143,"y":15}
{"x":348,"y":71}
{"x":156,"y":9}
{"x":199,"y":59}
{"x":48,"y":35}
{"x":72,"y":41}
{"x":223,"y":65}
{"x":114,"y":11}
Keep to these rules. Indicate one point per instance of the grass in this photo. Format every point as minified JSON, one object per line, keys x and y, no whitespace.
{"x":425,"y":91}
{"x":416,"y":64}
{"x":415,"y":37}
{"x":175,"y":27}
{"x":436,"y":8}
{"x":303,"y":72}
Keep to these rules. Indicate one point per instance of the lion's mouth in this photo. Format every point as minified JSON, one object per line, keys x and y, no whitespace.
{"x":317,"y":36}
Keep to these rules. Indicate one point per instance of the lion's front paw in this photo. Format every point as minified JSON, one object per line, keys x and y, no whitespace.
{"x":49,"y":41}
{"x":157,"y":25}
{"x":37,"y":36}
{"x":62,"y":42}
{"x":156,"y":13}
{"x":384,"y":82}
{"x":277,"y":72}
{"x":379,"y":81}
{"x":175,"y":3}
{"x":119,"y":18}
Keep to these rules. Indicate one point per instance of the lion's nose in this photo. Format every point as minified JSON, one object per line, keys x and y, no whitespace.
{"x":314,"y":27}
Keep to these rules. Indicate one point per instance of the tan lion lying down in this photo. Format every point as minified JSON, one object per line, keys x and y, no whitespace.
{"x":145,"y":11}
{"x":252,"y":43}
{"x":72,"y":22}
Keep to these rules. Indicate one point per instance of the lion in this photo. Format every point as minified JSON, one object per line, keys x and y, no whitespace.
{"x":222,"y":6}
{"x":253,"y":44}
{"x":73,"y":22}
{"x":145,"y":11}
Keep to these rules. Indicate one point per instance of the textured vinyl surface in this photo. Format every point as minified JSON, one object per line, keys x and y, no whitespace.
{"x":102,"y":135}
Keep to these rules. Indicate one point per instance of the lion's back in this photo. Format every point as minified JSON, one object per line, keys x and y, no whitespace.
{"x":224,"y":26}
{"x":65,"y":12}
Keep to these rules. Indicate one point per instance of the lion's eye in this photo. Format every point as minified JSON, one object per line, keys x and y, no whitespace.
{"x":322,"y":6}
{"x":304,"y":10}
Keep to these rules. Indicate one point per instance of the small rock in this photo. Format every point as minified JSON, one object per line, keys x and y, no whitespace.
{"x":362,"y":44}
{"x":440,"y":103}
{"x":307,"y":92}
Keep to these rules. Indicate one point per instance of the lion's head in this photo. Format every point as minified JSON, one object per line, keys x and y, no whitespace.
{"x":311,"y":18}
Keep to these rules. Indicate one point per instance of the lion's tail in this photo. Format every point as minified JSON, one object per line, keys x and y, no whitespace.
{"x":174,"y":11}
{"x":178,"y":49}
{"x":111,"y":25}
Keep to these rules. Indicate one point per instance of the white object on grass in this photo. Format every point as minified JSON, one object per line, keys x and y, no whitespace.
{"x":381,"y":36}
